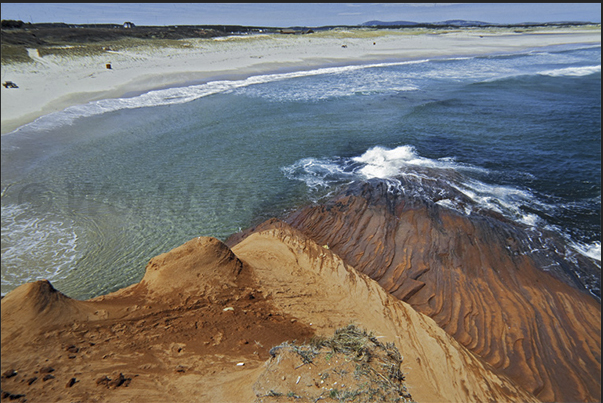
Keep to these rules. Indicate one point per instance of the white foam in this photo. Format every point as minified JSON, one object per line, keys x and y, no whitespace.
{"x":572,"y":71}
{"x":448,"y":203}
{"x":592,"y":250}
{"x":377,"y":162}
{"x":383,"y":163}
{"x":180,"y":95}
{"x":319,"y":173}
{"x":506,"y":200}
{"x":324,"y":92}
{"x":404,"y":161}
{"x":35,"y":247}
{"x":380,"y":162}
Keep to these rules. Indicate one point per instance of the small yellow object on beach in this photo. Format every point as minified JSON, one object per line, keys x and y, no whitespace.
{"x":325,"y":246}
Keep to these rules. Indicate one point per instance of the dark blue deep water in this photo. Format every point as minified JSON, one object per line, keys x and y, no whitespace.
{"x":90,"y":194}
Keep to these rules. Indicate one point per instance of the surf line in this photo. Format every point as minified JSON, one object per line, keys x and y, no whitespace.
{"x":181,"y":95}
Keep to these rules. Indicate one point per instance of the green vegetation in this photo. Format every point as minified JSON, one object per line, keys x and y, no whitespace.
{"x":15,"y":54}
{"x":18,"y":53}
{"x":69,"y":41}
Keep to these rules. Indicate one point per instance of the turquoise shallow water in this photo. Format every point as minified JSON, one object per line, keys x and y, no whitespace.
{"x":92,"y":193}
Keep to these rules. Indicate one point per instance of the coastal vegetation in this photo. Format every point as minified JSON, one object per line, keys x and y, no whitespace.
{"x":69,"y":40}
{"x":351,"y":366}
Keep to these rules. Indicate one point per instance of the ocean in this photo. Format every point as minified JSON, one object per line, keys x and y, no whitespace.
{"x":92,"y":193}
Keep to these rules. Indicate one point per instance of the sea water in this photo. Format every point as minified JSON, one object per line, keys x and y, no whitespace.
{"x":90,"y":194}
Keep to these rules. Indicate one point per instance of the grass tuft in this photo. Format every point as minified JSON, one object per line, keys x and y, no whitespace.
{"x":377,"y":376}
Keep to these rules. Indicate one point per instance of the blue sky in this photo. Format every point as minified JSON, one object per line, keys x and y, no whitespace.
{"x":291,"y":14}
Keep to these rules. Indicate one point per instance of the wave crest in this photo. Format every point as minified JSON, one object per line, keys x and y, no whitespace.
{"x":445,"y":181}
{"x":572,"y":71}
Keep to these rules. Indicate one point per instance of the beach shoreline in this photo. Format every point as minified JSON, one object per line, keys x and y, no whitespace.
{"x":52,"y":83}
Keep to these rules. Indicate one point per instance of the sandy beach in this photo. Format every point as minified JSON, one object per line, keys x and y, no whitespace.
{"x":52,"y":82}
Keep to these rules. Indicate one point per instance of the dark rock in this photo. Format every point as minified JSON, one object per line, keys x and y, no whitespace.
{"x":9,"y":373}
{"x":120,"y":380}
{"x":117,"y":382}
{"x":103,"y":380}
{"x":48,"y":377}
{"x":72,"y":349}
{"x":12,"y":396}
{"x":46,"y":370}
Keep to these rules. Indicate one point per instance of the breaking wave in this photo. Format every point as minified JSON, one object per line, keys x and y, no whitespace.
{"x":411,"y":79}
{"x":446,"y":182}
{"x":181,"y":95}
{"x":572,"y":71}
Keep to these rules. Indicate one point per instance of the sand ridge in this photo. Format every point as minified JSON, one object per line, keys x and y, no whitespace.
{"x":153,"y":341}
{"x":314,"y":284}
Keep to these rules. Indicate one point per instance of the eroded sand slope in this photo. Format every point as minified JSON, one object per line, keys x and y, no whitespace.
{"x":506,"y":297}
{"x":201,"y":309}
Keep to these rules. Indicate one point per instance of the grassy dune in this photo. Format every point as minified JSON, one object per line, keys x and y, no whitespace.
{"x":94,"y":43}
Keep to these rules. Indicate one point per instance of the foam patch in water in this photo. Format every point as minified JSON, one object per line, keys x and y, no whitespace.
{"x":443,"y":180}
{"x":180,"y":95}
{"x":35,"y":247}
{"x":592,"y":250}
{"x":572,"y":71}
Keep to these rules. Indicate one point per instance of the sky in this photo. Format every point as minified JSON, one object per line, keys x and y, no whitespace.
{"x":296,"y":14}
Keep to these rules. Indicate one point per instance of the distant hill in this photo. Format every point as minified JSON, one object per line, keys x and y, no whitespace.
{"x":456,"y":23}
{"x":376,"y":23}
{"x":464,"y":23}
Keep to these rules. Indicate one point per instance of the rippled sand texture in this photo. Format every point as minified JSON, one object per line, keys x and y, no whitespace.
{"x":478,"y":279}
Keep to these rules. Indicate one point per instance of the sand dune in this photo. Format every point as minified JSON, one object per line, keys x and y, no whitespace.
{"x":316,"y":286}
{"x":202,"y":309}
{"x":175,"y":336}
